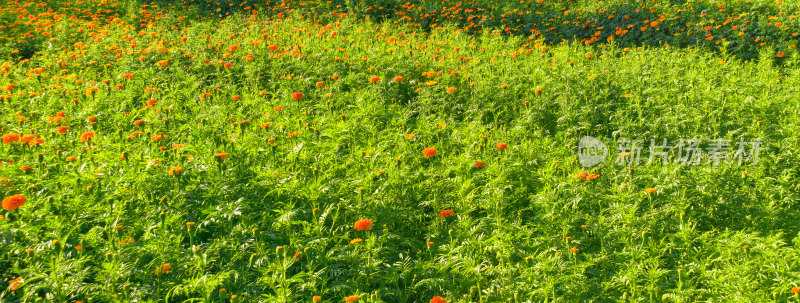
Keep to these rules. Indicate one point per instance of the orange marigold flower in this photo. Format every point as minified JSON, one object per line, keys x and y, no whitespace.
{"x":14,"y":284}
{"x":221,"y":155}
{"x":351,"y":299}
{"x":502,"y":146}
{"x":162,"y":63}
{"x":479,"y":164}
{"x":317,"y":299}
{"x":78,"y":247}
{"x":398,"y":79}
{"x":13,"y":202}
{"x":363,"y":224}
{"x":451,"y":90}
{"x":796,"y":290}
{"x":297,"y":95}
{"x":139,"y":122}
{"x":446,"y":213}
{"x":429,"y":152}
{"x":573,"y":250}
{"x":29,"y":139}
{"x":374,"y":79}
{"x":437,"y":299}
{"x":320,"y":84}
{"x":650,"y":190}
{"x":63,"y":129}
{"x":237,"y":97}
{"x":175,"y":171}
{"x":134,"y":135}
{"x":586,"y":176}
{"x":8,"y":138}
{"x":86,"y":136}
{"x":164,"y":269}
{"x":355,"y":241}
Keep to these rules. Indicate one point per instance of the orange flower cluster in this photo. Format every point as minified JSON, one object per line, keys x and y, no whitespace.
{"x":437,"y":299}
{"x":429,"y":152}
{"x":13,"y":202}
{"x":8,"y":138}
{"x":14,"y":284}
{"x":174,"y":171}
{"x":163,"y":269}
{"x":363,"y":224}
{"x":86,"y":136}
{"x":587,"y":176}
{"x":30,"y":140}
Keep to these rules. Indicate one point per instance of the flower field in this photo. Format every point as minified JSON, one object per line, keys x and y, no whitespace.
{"x":399,"y":151}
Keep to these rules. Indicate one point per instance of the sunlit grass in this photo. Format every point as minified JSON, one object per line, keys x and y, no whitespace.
{"x":278,"y":158}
